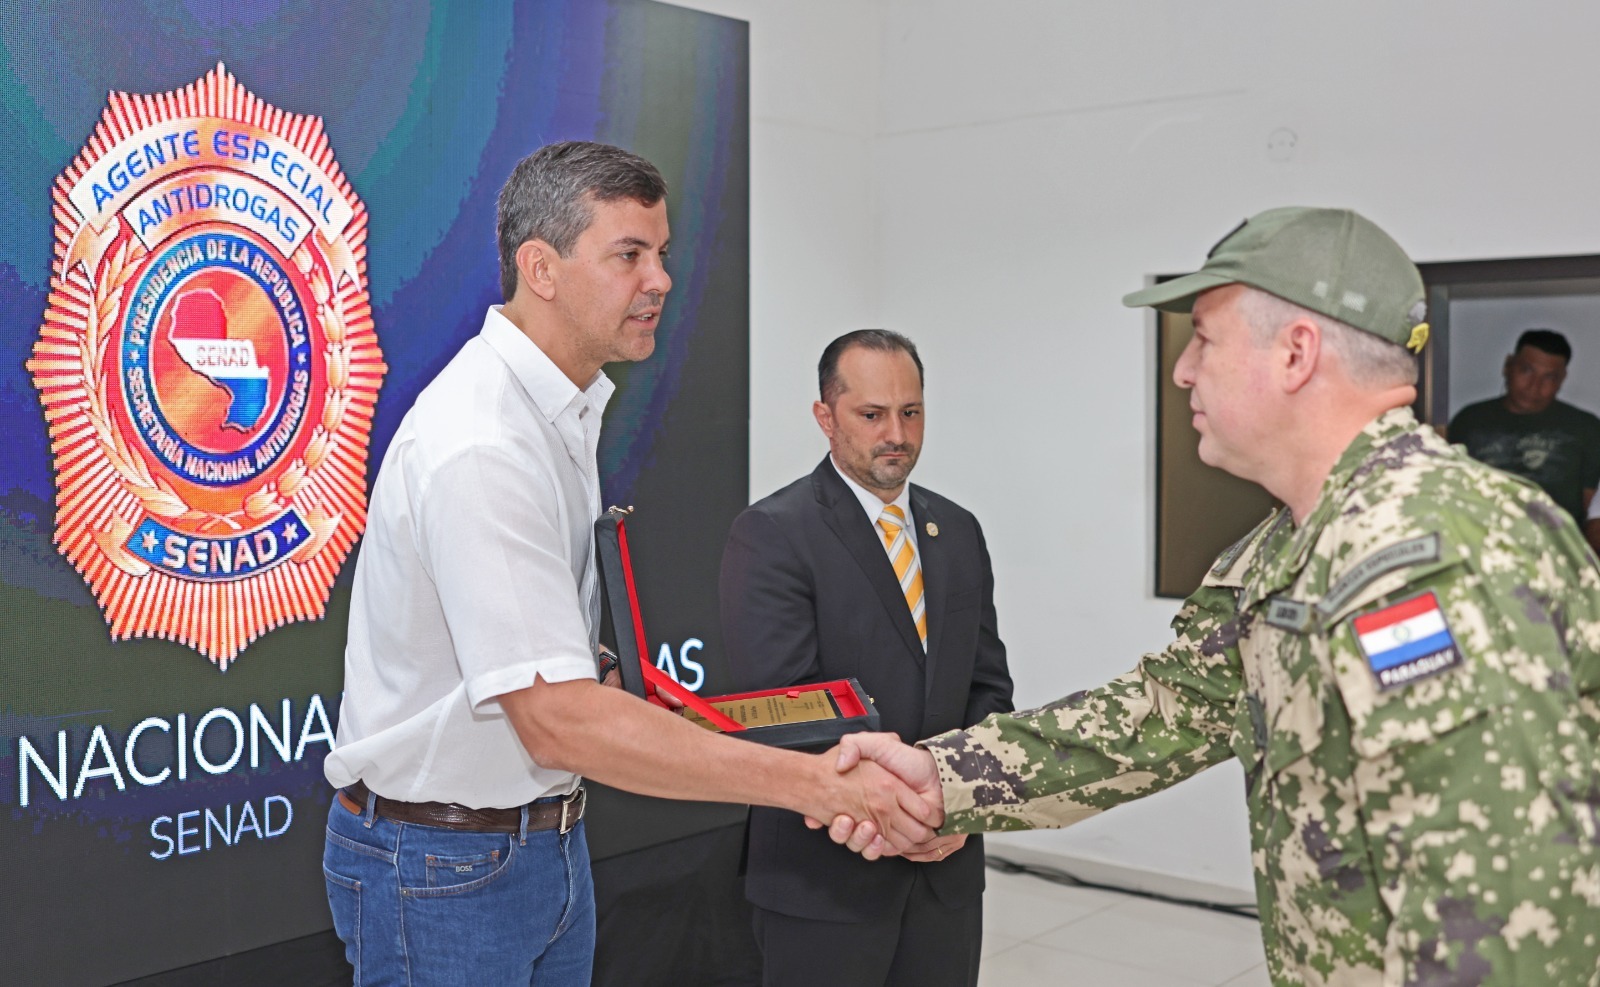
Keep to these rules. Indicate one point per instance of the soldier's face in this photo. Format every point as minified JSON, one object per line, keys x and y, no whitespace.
{"x":1228,"y":378}
{"x":874,"y":425}
{"x":1533,"y":378}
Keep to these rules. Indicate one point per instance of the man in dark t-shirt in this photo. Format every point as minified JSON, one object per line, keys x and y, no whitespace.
{"x":1529,"y":433}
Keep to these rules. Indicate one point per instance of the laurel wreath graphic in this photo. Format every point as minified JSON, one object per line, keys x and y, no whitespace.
{"x":155,"y":495}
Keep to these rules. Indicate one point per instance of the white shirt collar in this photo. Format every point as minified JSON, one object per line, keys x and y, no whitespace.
{"x":552,"y":392}
{"x":873,"y":504}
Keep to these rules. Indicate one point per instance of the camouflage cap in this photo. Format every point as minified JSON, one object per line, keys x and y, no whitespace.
{"x":1331,"y":261}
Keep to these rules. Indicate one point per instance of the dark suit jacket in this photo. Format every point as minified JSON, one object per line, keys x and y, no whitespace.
{"x":808,"y":594}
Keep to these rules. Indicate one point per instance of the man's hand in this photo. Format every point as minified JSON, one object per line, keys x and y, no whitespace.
{"x":896,"y":817}
{"x":912,"y":765}
{"x":619,"y":740}
{"x":937,"y":849}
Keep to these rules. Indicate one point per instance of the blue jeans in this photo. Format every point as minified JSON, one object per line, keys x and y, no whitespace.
{"x":421,"y":906}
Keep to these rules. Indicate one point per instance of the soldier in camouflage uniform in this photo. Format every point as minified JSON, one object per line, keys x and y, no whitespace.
{"x":1406,"y":658}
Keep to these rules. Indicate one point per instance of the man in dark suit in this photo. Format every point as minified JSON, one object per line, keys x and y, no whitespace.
{"x":852,"y":572}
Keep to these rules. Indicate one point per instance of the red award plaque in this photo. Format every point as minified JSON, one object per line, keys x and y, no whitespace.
{"x":804,"y":717}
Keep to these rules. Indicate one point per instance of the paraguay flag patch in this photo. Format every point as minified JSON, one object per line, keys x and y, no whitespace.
{"x":1407,"y":641}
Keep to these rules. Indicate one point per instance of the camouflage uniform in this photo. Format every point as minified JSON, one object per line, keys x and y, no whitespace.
{"x":1437,"y":831}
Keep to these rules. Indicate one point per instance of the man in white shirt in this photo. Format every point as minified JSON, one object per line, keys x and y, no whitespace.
{"x":455,"y":851}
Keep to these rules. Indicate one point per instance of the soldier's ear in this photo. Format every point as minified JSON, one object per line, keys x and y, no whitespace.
{"x":535,"y":260}
{"x":1301,"y":353}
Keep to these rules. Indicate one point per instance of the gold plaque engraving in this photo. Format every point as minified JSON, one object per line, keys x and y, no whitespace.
{"x":767,"y":711}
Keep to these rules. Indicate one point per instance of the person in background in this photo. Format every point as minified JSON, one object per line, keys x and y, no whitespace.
{"x":854,"y":571}
{"x":1591,"y":524}
{"x":1528,"y":432}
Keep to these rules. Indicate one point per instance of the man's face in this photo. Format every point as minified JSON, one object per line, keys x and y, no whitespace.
{"x":874,"y":425}
{"x":1229,"y":379}
{"x":610,"y":287}
{"x":1532,"y":379}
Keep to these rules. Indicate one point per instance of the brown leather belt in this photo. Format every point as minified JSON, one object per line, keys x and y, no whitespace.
{"x":559,"y":815}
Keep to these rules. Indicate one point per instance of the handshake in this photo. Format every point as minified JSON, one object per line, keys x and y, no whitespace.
{"x":892,"y":800}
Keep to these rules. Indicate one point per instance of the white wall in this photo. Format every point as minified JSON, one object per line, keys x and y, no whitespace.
{"x":991,"y":178}
{"x":814,"y":267}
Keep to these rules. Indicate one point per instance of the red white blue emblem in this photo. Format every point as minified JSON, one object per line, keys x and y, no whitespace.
{"x":208,"y":366}
{"x":1407,"y":641}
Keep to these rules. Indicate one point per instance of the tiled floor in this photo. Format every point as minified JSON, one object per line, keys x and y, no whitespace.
{"x":1038,"y":933}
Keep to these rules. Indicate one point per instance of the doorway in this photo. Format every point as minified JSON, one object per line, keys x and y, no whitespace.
{"x":1477,"y":309}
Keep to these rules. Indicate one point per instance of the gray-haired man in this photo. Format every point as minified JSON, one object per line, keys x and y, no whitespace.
{"x":1405,"y":656}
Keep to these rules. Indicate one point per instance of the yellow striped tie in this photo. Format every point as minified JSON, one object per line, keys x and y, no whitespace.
{"x":903,"y":555}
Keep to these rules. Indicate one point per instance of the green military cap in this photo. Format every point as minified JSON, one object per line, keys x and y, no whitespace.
{"x":1331,"y":261}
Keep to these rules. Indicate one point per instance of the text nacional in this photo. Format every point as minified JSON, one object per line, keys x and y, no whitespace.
{"x":236,"y":739}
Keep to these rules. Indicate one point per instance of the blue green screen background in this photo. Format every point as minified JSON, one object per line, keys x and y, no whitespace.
{"x":427,"y":106}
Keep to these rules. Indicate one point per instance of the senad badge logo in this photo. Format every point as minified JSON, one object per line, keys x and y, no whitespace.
{"x":208,"y":366}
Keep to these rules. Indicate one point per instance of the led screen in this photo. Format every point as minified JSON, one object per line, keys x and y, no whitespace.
{"x":238,"y":240}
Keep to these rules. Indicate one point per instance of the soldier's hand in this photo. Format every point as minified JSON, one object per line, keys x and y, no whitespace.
{"x":912,"y":765}
{"x":937,"y":849}
{"x":893,"y":816}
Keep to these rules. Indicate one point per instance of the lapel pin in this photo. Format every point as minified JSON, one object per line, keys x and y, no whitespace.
{"x":932,"y":529}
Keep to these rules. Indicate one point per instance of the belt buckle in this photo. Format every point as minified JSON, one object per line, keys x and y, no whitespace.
{"x":581,"y":797}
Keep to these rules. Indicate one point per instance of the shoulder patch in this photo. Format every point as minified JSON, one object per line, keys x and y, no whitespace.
{"x":1231,"y":554}
{"x":1423,"y":548}
{"x":1406,"y":641}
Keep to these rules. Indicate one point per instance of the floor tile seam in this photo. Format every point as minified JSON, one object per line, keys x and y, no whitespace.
{"x":1244,"y":935}
{"x":1181,"y":981}
{"x":987,"y":957}
{"x":1089,"y":907}
{"x":1262,"y":967}
{"x":1127,"y":901}
{"x":1121,"y":960}
{"x":1000,"y":937}
{"x":1062,"y":925}
{"x":1240,"y":927}
{"x":1130,"y":895}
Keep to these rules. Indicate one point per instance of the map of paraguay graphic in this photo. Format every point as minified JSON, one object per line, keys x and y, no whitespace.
{"x":199,"y":334}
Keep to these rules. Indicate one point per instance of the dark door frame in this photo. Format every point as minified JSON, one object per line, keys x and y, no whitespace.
{"x":1445,"y":279}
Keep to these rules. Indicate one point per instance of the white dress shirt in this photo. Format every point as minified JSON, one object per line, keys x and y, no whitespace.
{"x":477,"y":573}
{"x":874,"y":505}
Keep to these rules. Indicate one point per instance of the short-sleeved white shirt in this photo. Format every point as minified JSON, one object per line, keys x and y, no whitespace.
{"x":477,"y":573}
